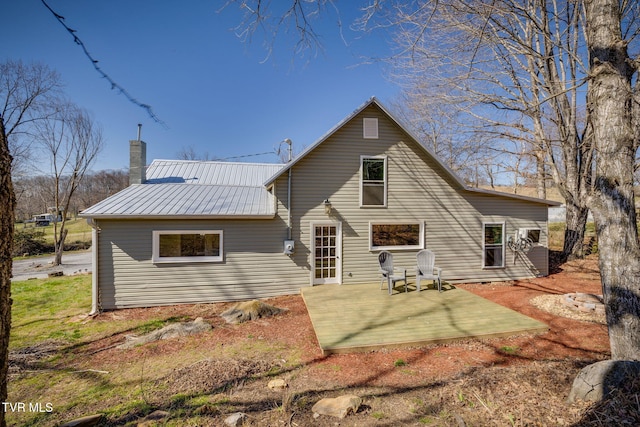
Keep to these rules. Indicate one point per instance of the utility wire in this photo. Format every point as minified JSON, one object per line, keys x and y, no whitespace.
{"x":94,"y":62}
{"x":248,"y":155}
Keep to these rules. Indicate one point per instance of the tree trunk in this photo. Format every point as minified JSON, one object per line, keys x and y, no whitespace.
{"x":609,"y":100}
{"x":60,"y":246}
{"x":576,"y":222}
{"x":541,"y":175}
{"x":7,"y":207}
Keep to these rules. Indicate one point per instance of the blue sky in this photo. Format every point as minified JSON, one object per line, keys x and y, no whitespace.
{"x":214,"y":92}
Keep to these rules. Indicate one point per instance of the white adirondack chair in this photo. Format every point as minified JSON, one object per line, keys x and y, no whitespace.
{"x":426,"y":269}
{"x":389,"y":273}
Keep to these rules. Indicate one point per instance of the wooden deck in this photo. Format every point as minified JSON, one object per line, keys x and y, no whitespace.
{"x":351,"y":318}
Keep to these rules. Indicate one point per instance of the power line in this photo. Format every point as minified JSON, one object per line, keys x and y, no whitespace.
{"x":248,"y":155}
{"x":94,"y":62}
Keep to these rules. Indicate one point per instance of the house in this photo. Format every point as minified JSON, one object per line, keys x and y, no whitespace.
{"x":193,"y":231}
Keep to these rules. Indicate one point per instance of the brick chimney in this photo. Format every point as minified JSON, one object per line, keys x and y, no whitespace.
{"x":137,"y":162}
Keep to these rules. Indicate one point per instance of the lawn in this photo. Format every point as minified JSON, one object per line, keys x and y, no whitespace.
{"x":79,"y":231}
{"x":50,"y":334}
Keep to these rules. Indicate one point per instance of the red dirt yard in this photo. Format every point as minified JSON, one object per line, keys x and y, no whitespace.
{"x":520,"y":380}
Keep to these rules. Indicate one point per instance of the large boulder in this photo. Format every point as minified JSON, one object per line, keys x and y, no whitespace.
{"x":597,"y":381}
{"x":249,"y":310}
{"x":88,"y":421}
{"x":235,"y":420}
{"x":173,"y":330}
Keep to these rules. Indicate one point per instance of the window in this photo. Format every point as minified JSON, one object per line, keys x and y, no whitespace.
{"x":493,"y":245}
{"x":396,"y":236}
{"x":373,"y":179}
{"x":531,"y":233}
{"x":187,"y":246}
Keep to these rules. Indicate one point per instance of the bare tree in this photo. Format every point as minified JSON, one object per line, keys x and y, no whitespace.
{"x":273,"y":19}
{"x":437,"y":126}
{"x":189,"y":153}
{"x":72,"y":141}
{"x":25,"y":93}
{"x":515,"y":69}
{"x":98,"y":186}
{"x":33,"y":196}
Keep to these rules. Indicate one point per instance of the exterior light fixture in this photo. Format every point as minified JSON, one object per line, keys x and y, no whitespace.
{"x":327,"y":206}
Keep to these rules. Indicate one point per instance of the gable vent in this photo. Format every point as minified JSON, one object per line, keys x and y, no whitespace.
{"x":370,"y":128}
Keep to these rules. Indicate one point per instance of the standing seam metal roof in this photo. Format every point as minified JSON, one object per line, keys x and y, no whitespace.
{"x":193,"y":189}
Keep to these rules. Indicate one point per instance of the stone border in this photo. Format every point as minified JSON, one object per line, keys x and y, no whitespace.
{"x":588,"y":303}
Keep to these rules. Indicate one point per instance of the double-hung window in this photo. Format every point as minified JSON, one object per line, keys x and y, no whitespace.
{"x":493,"y":245}
{"x":373,"y":181}
{"x":175,"y":246}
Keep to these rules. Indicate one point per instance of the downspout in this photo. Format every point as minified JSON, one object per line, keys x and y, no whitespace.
{"x":95,"y":233}
{"x":288,"y":141}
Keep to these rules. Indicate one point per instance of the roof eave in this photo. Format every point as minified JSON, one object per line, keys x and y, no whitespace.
{"x":178,"y":216}
{"x":514,"y":196}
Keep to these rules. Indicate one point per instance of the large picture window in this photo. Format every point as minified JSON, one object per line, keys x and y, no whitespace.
{"x":373,"y":180}
{"x":187,"y":246}
{"x":493,"y":245}
{"x":396,"y":236}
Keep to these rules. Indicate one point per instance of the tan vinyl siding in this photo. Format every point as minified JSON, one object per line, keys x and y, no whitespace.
{"x":253,"y":267}
{"x":418,"y":190}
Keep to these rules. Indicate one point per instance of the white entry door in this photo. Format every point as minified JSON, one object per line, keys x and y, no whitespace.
{"x":327,"y":249}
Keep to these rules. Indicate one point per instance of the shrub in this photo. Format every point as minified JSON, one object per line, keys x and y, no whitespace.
{"x":29,"y":241}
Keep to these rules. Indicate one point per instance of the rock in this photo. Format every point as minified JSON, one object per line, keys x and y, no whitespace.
{"x":88,"y":421}
{"x":596,"y":382}
{"x":170,"y":331}
{"x":235,"y":420}
{"x":56,"y":274}
{"x":337,"y":407}
{"x":277,"y":384}
{"x":249,"y":310}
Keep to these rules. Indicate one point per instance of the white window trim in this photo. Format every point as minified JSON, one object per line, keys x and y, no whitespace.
{"x":396,"y":248}
{"x":386,"y":174}
{"x":157,"y":259}
{"x":504,"y":226}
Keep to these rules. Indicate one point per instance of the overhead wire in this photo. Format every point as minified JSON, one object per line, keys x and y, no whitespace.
{"x":106,"y":76}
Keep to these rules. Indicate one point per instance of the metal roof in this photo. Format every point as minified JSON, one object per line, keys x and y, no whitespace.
{"x":213,"y":173}
{"x":193,"y":189}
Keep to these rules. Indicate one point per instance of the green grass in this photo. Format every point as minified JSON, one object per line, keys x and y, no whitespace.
{"x":50,"y":316}
{"x":78,"y":231}
{"x":556,"y":234}
{"x":44,"y":309}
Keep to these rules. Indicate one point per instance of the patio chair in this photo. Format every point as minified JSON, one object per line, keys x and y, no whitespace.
{"x":388,"y":272}
{"x":426,"y":270}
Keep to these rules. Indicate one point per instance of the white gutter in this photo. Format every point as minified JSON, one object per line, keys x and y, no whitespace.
{"x":95,"y":233}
